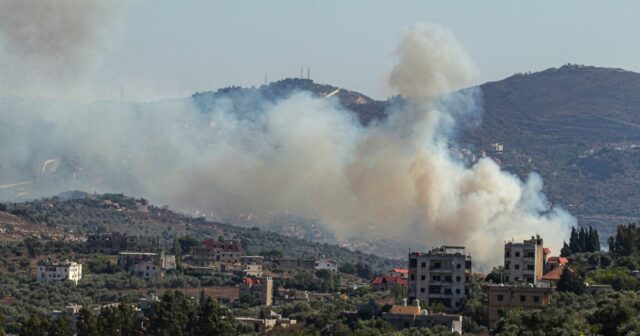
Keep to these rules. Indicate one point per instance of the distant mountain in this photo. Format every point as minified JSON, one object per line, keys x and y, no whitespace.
{"x":577,"y":126}
{"x":250,"y":99}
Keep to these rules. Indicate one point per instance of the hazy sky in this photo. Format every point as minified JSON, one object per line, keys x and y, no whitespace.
{"x":173,"y":48}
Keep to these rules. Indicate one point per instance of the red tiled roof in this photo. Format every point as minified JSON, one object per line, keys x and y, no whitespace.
{"x":376,"y":281}
{"x":558,"y":260}
{"x":400,"y":270}
{"x":395,"y":280}
{"x":554,"y":274}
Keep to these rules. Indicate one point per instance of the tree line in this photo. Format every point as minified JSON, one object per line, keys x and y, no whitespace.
{"x":174,"y":315}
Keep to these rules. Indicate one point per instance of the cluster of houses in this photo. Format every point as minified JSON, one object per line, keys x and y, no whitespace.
{"x":442,"y":277}
{"x":439,"y":277}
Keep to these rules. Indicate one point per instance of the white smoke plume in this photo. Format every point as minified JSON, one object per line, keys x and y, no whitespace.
{"x":307,"y":155}
{"x":48,"y":47}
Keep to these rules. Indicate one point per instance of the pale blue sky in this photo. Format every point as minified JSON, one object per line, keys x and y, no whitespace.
{"x":173,"y":48}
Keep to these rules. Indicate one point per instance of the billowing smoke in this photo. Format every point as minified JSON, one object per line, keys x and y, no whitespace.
{"x":48,"y":47}
{"x":395,"y":178}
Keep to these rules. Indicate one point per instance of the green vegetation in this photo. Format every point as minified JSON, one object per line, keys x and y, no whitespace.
{"x":582,"y":240}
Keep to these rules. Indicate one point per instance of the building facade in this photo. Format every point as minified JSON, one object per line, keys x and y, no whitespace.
{"x":111,"y":243}
{"x":500,"y":298}
{"x":405,"y":317}
{"x":326,"y":264}
{"x":524,"y":262}
{"x":441,"y":276}
{"x":212,"y":252}
{"x":67,"y":270}
{"x":252,"y":266}
{"x":261,"y":289}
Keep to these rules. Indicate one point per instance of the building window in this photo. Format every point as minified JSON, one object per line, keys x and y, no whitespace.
{"x":458,"y":266}
{"x":413,"y":263}
{"x":516,"y":266}
{"x":523,"y":298}
{"x":506,"y":279}
{"x":422,"y":277}
{"x":530,"y":267}
{"x":457,"y":290}
{"x":422,"y":290}
{"x":517,"y":254}
{"x":500,"y":297}
{"x":458,"y":278}
{"x":423,"y":265}
{"x":536,"y":299}
{"x":447,"y":291}
{"x":435,"y":278}
{"x":413,"y":277}
{"x":436,"y":265}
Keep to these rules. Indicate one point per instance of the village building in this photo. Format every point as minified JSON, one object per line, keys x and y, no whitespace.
{"x":252,"y":266}
{"x":441,"y":276}
{"x":148,"y":270}
{"x":261,"y":289}
{"x":400,"y":272}
{"x":388,"y":282}
{"x":298,"y":264}
{"x":500,"y":298}
{"x":405,"y":317}
{"x":211,"y":252}
{"x":111,"y":243}
{"x":147,"y":265}
{"x":326,"y":264}
{"x":67,"y":270}
{"x":554,"y":262}
{"x":524,"y":262}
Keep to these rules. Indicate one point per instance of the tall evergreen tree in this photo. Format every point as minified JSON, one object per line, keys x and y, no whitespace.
{"x":60,"y":327}
{"x":570,"y":282}
{"x":172,"y":316}
{"x":214,"y":320}
{"x":34,"y":326}
{"x":86,"y":324}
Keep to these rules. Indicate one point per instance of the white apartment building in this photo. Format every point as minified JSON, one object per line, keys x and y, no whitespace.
{"x":441,"y":275}
{"x":67,"y":270}
{"x":523,"y":262}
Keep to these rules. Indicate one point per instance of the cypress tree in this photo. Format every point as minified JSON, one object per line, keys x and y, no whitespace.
{"x":87,"y":324}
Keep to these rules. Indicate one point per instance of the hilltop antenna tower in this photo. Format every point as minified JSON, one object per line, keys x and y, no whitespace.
{"x":301,"y":69}
{"x":309,"y":73}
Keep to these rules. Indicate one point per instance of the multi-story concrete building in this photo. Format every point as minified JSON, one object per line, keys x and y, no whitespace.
{"x":440,"y":276}
{"x":523,"y":262}
{"x":501,"y":298}
{"x":212,"y":252}
{"x":111,"y":243}
{"x":67,"y":270}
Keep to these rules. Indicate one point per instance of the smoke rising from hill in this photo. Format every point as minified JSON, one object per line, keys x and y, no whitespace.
{"x":392,"y":179}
